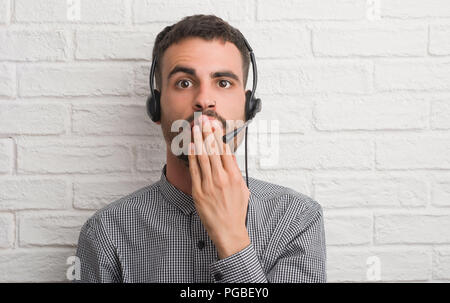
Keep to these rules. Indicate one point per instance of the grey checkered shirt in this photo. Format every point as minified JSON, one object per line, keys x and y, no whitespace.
{"x":155,"y":235}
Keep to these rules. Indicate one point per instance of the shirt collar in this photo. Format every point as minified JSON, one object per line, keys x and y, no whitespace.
{"x":173,"y":195}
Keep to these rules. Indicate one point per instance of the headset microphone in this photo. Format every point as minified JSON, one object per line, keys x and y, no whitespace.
{"x":227,"y":138}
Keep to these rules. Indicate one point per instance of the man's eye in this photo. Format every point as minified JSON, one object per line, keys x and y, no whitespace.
{"x":224,"y":83}
{"x":183,"y":83}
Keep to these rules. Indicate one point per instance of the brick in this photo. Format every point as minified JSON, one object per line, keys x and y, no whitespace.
{"x":364,"y":191}
{"x":109,"y":119}
{"x":79,"y":80}
{"x":318,"y":76}
{"x":412,"y":75}
{"x":440,"y":192}
{"x":141,"y":82}
{"x":412,"y":228}
{"x":108,"y":45}
{"x":400,"y":264}
{"x":370,"y":41}
{"x":96,"y":195}
{"x":295,"y":153}
{"x":7,"y":226}
{"x":38,"y":119}
{"x":311,"y":10}
{"x":4,"y":11}
{"x":371,"y":113}
{"x":7,"y":80}
{"x":172,"y":11}
{"x":72,"y":156}
{"x":6,"y":155}
{"x":275,"y":40}
{"x":440,"y":114}
{"x":413,"y":153}
{"x":439,"y":40}
{"x":348,"y":229}
{"x":291,"y":115}
{"x":415,"y":9}
{"x":35,"y":265}
{"x":31,"y":193}
{"x":100,"y":11}
{"x":56,"y":228}
{"x":295,"y":179}
{"x":33,"y":45}
{"x":441,"y":264}
{"x":151,"y":156}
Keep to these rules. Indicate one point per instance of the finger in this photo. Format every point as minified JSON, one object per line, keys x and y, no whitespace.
{"x":212,"y":150}
{"x":218,"y":134}
{"x":229,"y":160}
{"x":194,"y":169}
{"x":201,"y":155}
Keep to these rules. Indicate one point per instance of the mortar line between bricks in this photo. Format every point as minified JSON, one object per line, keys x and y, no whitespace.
{"x":430,"y":115}
{"x":69,"y":131}
{"x":16,"y":75}
{"x":428,"y":40}
{"x":133,"y":14}
{"x":394,"y":246}
{"x":17,"y":221}
{"x":72,"y":190}
{"x":128,"y":13}
{"x":372,"y":242}
{"x":72,"y":46}
{"x":12,"y":5}
{"x":374,"y":149}
{"x":16,"y":231}
{"x":432,"y":254}
{"x":430,"y":183}
{"x":15,"y":155}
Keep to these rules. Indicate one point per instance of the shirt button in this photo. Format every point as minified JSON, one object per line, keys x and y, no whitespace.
{"x":218,"y":276}
{"x":201,"y":244}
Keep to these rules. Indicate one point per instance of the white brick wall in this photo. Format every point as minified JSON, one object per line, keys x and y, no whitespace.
{"x":363,"y":106}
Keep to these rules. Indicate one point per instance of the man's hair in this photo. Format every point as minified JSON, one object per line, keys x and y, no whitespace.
{"x":208,"y":27}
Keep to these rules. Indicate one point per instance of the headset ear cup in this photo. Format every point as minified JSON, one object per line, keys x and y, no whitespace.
{"x":252,"y":106}
{"x":148,"y":107}
{"x":153,"y":106}
{"x":157,"y":95}
{"x":248,"y":104}
{"x":258,"y":106}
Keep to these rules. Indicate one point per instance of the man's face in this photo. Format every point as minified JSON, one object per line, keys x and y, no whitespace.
{"x":201,"y":76}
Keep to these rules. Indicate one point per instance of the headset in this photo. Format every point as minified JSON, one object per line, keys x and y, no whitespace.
{"x":252,"y":104}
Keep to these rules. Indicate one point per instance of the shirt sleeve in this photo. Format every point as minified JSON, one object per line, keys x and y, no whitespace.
{"x":98,"y":259}
{"x":301,"y":256}
{"x":241,"y":267}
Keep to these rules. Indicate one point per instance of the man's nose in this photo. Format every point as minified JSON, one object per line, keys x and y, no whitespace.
{"x":204,"y":99}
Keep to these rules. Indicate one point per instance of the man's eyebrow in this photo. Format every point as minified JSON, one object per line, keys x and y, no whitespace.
{"x":228,"y":74}
{"x":182,"y":69}
{"x":191,"y":71}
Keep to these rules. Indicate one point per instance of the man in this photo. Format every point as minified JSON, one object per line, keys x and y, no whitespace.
{"x":200,"y":222}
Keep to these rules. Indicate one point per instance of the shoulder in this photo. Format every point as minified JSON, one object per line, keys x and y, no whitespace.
{"x":126,"y":208}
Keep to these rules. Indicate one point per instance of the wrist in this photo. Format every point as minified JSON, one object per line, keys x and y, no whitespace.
{"x":233,"y":246}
